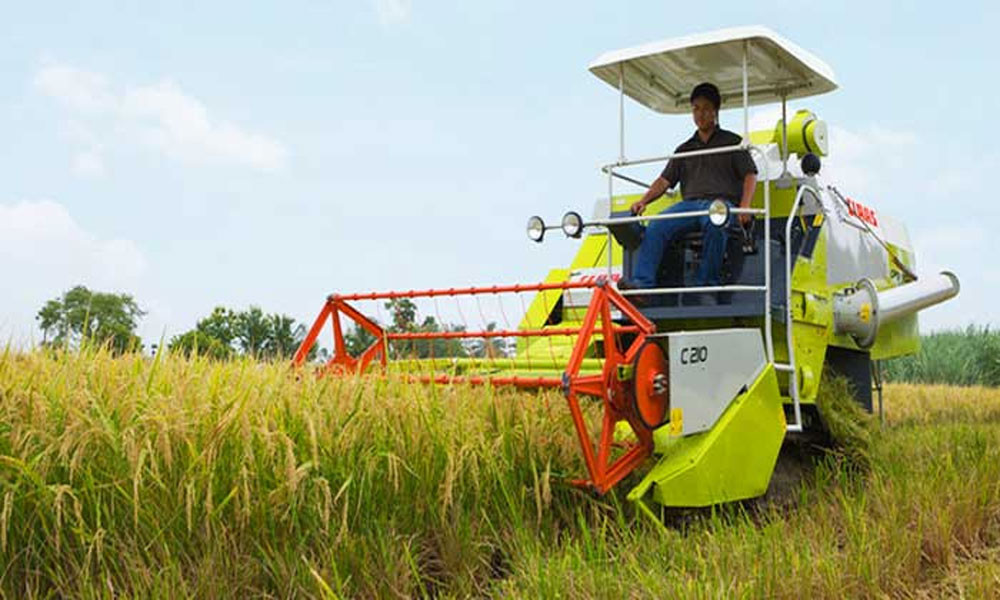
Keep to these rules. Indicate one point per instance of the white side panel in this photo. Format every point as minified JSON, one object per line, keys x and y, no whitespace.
{"x":707,"y":371}
{"x":852,"y":252}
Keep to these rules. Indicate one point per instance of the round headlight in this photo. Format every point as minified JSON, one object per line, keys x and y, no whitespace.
{"x":572,"y":224}
{"x":536,"y":229}
{"x":718,"y":213}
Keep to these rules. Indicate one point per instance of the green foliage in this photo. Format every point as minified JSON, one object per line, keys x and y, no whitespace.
{"x":200,"y":343}
{"x":404,"y":314}
{"x":98,"y":317}
{"x":218,"y":325}
{"x":225,"y":333}
{"x":357,"y":340}
{"x":969,"y":357}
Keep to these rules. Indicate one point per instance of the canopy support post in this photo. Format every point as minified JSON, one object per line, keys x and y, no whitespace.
{"x":746,"y":96}
{"x":784,"y":135}
{"x":621,"y":159}
{"x":621,"y":112}
{"x":611,"y":240}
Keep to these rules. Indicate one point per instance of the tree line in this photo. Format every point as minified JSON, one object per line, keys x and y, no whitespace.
{"x":405,"y":319}
{"x":81,"y":314}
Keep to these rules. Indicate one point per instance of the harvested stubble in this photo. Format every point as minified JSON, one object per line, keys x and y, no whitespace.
{"x":177,"y":477}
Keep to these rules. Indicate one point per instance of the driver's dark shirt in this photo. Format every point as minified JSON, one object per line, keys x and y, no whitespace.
{"x":712,"y":176}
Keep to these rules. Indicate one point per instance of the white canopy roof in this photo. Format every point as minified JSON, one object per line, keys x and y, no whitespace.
{"x":662,"y":74}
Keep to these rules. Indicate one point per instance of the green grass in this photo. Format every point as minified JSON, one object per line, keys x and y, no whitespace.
{"x":178,"y":477}
{"x":969,"y":357}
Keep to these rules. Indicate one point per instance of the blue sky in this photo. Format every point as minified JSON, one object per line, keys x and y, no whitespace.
{"x":270,"y":153}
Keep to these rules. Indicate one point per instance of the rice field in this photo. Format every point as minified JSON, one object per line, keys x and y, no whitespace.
{"x":177,"y":477}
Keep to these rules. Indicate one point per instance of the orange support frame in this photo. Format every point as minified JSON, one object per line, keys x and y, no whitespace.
{"x":342,"y":360}
{"x":610,"y":386}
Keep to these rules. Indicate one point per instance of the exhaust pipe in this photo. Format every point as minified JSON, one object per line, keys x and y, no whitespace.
{"x":861,"y":310}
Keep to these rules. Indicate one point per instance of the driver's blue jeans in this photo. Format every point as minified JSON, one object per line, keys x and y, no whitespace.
{"x":660,"y":233}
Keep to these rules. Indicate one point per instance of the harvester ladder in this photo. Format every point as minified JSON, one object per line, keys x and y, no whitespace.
{"x":789,"y":367}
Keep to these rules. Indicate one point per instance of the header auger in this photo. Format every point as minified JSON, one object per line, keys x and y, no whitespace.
{"x":708,"y":378}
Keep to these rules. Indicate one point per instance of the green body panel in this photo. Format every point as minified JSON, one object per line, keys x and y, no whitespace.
{"x":901,"y":337}
{"x":812,"y":315}
{"x":898,"y":338}
{"x":781,"y":198}
{"x":542,"y":305}
{"x":624,"y":202}
{"x":732,"y":461}
{"x":801,"y":137}
{"x":593,"y":253}
{"x":542,"y":364}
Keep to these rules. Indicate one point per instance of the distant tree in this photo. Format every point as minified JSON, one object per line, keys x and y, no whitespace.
{"x":404,"y":314}
{"x":492,"y":347}
{"x":404,"y":320}
{"x":285,"y":336}
{"x":219,"y":325}
{"x":200,"y":343}
{"x":439,"y":347}
{"x":251,"y":332}
{"x":357,"y":340}
{"x":81,"y":314}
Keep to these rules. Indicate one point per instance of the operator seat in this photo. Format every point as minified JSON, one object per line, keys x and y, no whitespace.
{"x":683,"y":255}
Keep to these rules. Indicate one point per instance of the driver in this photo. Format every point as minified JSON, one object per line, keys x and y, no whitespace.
{"x":731,"y":176}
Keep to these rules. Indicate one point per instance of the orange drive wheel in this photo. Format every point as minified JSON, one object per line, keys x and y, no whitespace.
{"x":651,"y":377}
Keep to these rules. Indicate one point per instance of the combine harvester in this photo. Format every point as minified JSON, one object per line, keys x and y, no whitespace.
{"x":817,"y":282}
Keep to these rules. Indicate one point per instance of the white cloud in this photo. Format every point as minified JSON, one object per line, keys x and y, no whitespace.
{"x":79,"y":90}
{"x":883,"y":138}
{"x":392,"y":12}
{"x":90,"y":164}
{"x":160,"y":116}
{"x":873,"y":163}
{"x":40,"y":240}
{"x":44,"y":252}
{"x":181,"y":127}
{"x":947,"y":239}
